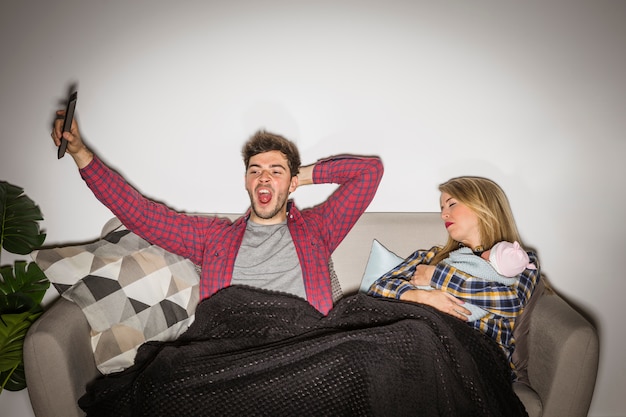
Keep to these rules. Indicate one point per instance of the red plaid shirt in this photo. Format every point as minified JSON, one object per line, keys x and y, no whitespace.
{"x":213,"y":242}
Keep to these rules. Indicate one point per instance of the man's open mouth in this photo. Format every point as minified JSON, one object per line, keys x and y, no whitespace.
{"x":264,"y":195}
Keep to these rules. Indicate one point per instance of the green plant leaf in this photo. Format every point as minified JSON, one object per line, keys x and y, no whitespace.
{"x":13,"y":328}
{"x":22,"y":286}
{"x":25,"y":281}
{"x":19,"y":221}
{"x":13,"y":380}
{"x":15,"y":304}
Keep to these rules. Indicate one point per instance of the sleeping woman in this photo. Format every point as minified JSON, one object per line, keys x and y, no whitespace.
{"x":477,"y":216}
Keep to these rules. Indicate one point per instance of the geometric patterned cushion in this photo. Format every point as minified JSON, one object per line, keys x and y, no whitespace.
{"x":334,"y":282}
{"x":129,"y":290}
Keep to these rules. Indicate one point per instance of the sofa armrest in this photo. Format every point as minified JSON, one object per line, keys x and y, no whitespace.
{"x":563,"y":357}
{"x":58,"y":360}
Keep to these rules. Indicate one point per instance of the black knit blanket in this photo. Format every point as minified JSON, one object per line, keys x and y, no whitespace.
{"x":259,"y":353}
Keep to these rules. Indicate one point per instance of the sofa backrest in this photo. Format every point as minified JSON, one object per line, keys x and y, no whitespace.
{"x":401,"y":233}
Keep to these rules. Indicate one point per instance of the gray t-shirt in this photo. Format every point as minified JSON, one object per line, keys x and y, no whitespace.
{"x":267,"y":259}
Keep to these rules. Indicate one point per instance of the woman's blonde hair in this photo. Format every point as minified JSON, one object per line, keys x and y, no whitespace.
{"x":487,"y":200}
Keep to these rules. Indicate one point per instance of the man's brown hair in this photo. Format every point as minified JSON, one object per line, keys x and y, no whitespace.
{"x":263,"y":141}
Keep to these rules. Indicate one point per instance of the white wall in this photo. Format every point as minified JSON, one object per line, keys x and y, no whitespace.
{"x":530,"y":94}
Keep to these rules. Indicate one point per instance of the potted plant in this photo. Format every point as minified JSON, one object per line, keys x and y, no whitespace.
{"x":22,"y":285}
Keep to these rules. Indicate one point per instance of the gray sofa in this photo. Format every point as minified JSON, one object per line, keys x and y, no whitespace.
{"x":562,"y":346}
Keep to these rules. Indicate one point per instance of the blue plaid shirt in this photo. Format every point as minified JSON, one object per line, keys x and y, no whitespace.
{"x":504,"y":303}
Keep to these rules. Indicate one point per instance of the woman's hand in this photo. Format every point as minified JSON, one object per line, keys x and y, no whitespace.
{"x":440,"y":300}
{"x":423,"y":275}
